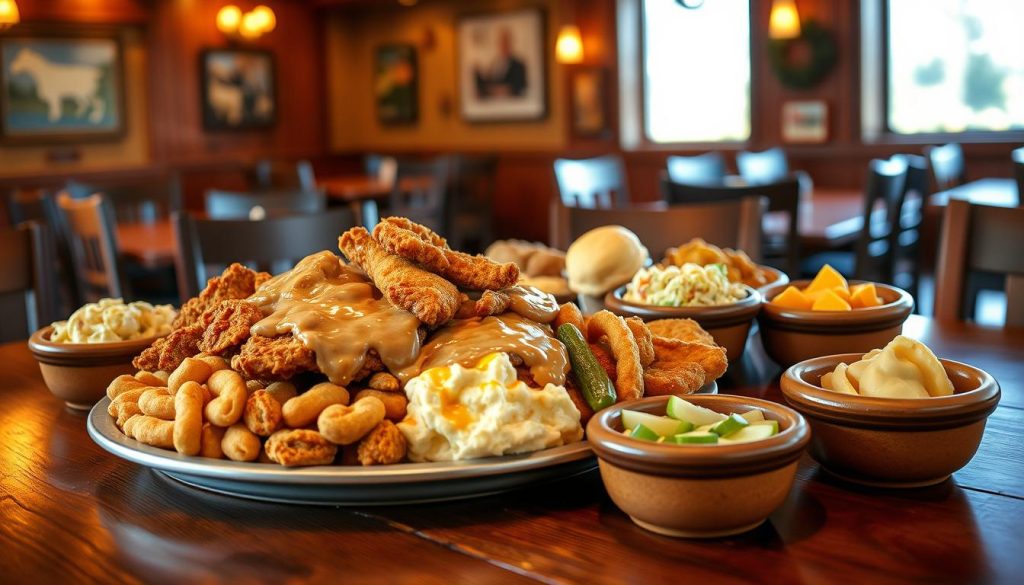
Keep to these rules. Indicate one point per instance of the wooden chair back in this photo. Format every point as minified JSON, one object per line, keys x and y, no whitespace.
{"x":40,"y":206}
{"x":766,"y":166}
{"x":782,"y":196}
{"x":420,"y":192}
{"x":1018,"y":172}
{"x":91,"y":237}
{"x":592,"y":183}
{"x":26,"y":294}
{"x":905,"y":238}
{"x":733,"y":224}
{"x":702,"y":169}
{"x":234,"y":205}
{"x":874,"y":249}
{"x":947,"y":164}
{"x":471,"y":202}
{"x":275,"y":240}
{"x":284,"y":176}
{"x":133,"y":200}
{"x":985,"y":239}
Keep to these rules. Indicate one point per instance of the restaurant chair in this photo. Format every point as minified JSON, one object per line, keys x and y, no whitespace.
{"x":702,"y":169}
{"x":1018,"y":171}
{"x":26,"y":292}
{"x":979,"y":239}
{"x":135,"y":200}
{"x":420,"y":192}
{"x":778,"y":249}
{"x":91,"y":237}
{"x":267,"y":244}
{"x":234,"y":205}
{"x":872,"y":256}
{"x":905,"y":238}
{"x":592,"y":183}
{"x":766,"y":166}
{"x":471,"y":202}
{"x":947,"y":164}
{"x":735,"y":224}
{"x":284,"y":176}
{"x":40,"y":206}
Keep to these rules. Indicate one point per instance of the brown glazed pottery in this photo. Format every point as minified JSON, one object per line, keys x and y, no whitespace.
{"x":728,"y":324}
{"x":698,"y":491}
{"x":775,"y":277}
{"x":79,"y":373}
{"x":793,"y":335}
{"x":892,"y":442}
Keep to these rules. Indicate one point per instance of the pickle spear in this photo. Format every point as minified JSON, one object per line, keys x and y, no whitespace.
{"x":597,"y":388}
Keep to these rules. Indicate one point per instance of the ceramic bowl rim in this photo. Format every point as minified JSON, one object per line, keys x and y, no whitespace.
{"x":79,"y":354}
{"x":712,"y":316}
{"x":894,"y":312}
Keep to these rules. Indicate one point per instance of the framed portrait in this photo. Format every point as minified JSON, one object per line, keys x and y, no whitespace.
{"x":238,"y":91}
{"x":58,"y":89}
{"x":501,"y":66}
{"x":395,"y":84}
{"x":589,"y":95}
{"x":805,"y":122}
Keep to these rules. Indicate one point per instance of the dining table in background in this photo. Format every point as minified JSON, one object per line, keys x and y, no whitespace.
{"x":995,"y":192}
{"x":364,"y":193}
{"x":152,"y":243}
{"x":71,"y":509}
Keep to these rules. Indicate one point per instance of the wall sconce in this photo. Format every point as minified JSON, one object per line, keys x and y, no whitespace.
{"x":249,"y":25}
{"x":569,"y":47}
{"x":784,"y":22}
{"x":9,"y":15}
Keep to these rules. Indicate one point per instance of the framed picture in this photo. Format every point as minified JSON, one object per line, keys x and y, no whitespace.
{"x":589,"y":95}
{"x":238,"y":90}
{"x":395,"y":83}
{"x":501,"y":66}
{"x":805,"y":121}
{"x":61,"y":88}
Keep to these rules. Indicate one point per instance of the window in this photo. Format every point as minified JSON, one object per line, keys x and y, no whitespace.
{"x":955,"y":66}
{"x":697,"y":71}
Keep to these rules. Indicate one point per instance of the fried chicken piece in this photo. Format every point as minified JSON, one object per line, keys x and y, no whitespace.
{"x":431,"y":298}
{"x":273,"y":358}
{"x":569,"y":313}
{"x":682,"y":329}
{"x":576,"y":395}
{"x":419,"y":244}
{"x":710,"y":357}
{"x":371,"y":365}
{"x":671,"y":377}
{"x":229,"y":326}
{"x":383,"y":445}
{"x":385,"y":382}
{"x":236,"y":282}
{"x":167,"y":353}
{"x":642,"y":336}
{"x":492,"y":303}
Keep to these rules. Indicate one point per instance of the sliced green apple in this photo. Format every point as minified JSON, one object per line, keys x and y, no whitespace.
{"x":644,"y":433}
{"x":774,"y":424}
{"x":662,"y":425}
{"x":730,"y":425}
{"x":754,"y":432}
{"x":753,"y":416}
{"x":696,"y":438}
{"x":681,"y":409}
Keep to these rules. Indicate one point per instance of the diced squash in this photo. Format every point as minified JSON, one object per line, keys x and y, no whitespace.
{"x":843,"y":292}
{"x":827,"y":278}
{"x":830,"y":301}
{"x":792,"y":298}
{"x":864,"y":296}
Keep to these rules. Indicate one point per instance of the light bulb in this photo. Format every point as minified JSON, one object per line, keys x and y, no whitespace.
{"x":265,"y":18}
{"x":569,"y":47}
{"x":784,"y":22}
{"x":228,"y":19}
{"x":250,"y":27}
{"x":9,"y":15}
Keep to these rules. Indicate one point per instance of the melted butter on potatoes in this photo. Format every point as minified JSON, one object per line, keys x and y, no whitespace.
{"x":462,"y":413}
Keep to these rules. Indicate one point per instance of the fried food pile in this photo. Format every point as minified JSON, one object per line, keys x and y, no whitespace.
{"x":739,"y":266}
{"x":309,"y":367}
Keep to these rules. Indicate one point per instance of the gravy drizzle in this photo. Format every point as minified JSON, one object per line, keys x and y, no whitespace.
{"x":338,"y":314}
{"x":532,"y":303}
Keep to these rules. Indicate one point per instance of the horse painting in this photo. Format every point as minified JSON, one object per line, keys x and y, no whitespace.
{"x":56,"y":82}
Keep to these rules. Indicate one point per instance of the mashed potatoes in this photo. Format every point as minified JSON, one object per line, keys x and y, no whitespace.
{"x":905,"y":368}
{"x":462,"y":413}
{"x":112,"y":320}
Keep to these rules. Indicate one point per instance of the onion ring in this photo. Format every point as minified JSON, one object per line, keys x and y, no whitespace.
{"x":629,"y":374}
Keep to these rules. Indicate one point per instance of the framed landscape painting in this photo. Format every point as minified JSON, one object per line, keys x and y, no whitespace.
{"x":395,"y":84}
{"x":61,"y":89}
{"x":501,"y":66}
{"x":238,"y":90}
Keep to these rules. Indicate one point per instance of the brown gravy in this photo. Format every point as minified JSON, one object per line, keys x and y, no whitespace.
{"x":532,"y":303}
{"x":338,"y":314}
{"x":466,"y":341}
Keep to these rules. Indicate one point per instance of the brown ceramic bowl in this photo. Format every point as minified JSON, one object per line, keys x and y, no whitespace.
{"x":728,"y":324}
{"x":892,"y":442}
{"x":698,"y":491}
{"x":775,"y":276}
{"x":792,"y":335}
{"x":78,"y":373}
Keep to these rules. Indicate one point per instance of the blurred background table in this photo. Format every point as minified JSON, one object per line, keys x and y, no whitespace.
{"x":70,"y":508}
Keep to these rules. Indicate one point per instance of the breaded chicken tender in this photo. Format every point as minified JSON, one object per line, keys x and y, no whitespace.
{"x":383,"y":445}
{"x":167,"y":353}
{"x":235,"y":283}
{"x":681,"y":329}
{"x":229,"y":326}
{"x":273,"y":358}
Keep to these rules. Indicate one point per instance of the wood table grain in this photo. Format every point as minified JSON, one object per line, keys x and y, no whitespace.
{"x":70,"y":512}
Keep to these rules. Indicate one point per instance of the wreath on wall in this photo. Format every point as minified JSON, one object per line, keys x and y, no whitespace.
{"x":802,"y":62}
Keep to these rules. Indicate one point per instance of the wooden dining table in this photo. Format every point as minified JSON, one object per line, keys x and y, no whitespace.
{"x":71,"y":512}
{"x":151,"y":243}
{"x":995,"y":192}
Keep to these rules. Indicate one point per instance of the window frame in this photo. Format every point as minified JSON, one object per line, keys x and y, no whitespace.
{"x":645,"y":142}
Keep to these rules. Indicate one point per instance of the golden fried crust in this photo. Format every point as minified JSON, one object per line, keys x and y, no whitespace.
{"x":273,"y":358}
{"x":229,"y":326}
{"x":236,"y":282}
{"x":384,"y":382}
{"x":569,"y":313}
{"x":383,"y":445}
{"x":629,"y":376}
{"x":642,"y":336}
{"x":710,"y":357}
{"x":431,"y":298}
{"x":419,"y":244}
{"x":576,"y":395}
{"x":670,"y":377}
{"x":682,"y":329}
{"x":492,"y":303}
{"x":299,"y":447}
{"x":167,"y":353}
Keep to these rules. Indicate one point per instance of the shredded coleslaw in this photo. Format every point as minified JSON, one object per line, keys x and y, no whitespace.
{"x":689,"y":285}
